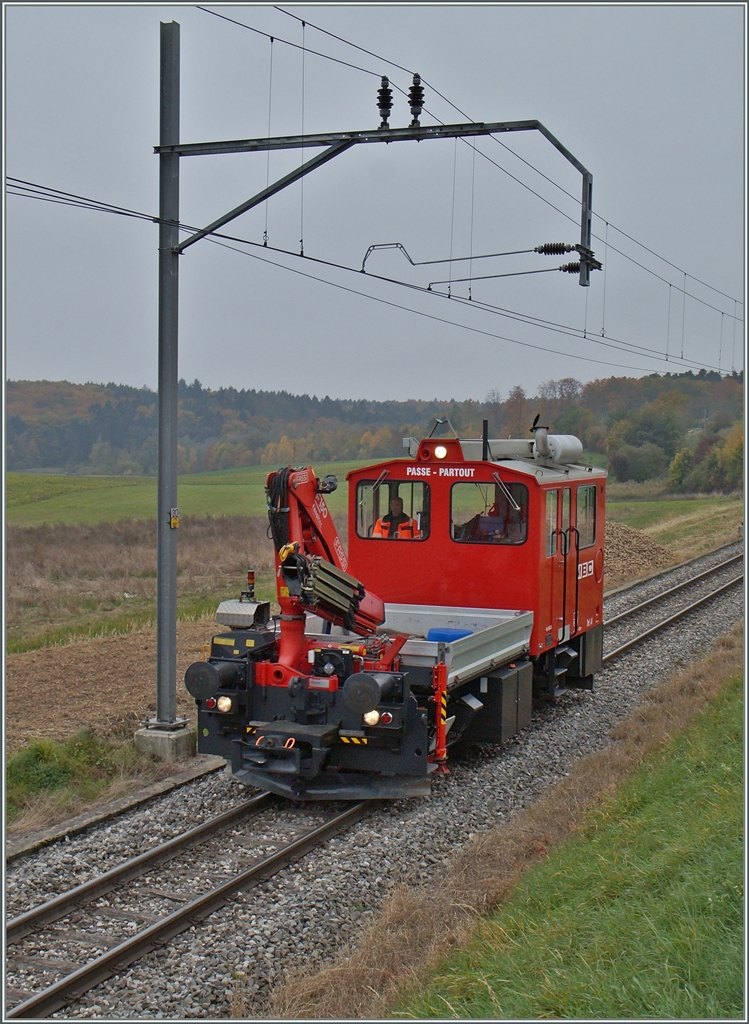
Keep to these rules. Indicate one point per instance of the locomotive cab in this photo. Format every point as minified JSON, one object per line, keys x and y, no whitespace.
{"x":505,"y":524}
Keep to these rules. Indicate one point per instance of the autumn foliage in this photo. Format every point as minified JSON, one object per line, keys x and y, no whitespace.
{"x":642,"y":428}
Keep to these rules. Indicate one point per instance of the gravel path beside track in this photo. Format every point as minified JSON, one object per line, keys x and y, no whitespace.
{"x":308,"y":911}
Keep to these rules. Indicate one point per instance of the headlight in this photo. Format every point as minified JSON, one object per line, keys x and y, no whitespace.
{"x":440,"y":451}
{"x":224,"y":704}
{"x":371,"y":718}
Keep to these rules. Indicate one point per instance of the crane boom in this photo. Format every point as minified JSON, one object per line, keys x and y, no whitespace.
{"x":311,"y":562}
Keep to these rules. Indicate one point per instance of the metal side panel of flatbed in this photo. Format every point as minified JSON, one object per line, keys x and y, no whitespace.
{"x":497,"y":636}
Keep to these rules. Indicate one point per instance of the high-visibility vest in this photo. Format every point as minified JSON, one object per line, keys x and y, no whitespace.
{"x":408,"y":530}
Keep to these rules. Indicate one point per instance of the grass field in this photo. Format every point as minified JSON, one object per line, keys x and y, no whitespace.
{"x":639,"y":915}
{"x":68,"y":581}
{"x":687,"y":526}
{"x":48,"y":775}
{"x":35,"y":499}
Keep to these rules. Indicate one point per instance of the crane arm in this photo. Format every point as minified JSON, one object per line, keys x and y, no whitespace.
{"x":311,"y":562}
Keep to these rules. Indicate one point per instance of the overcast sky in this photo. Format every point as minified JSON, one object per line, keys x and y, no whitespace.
{"x":649,"y":98}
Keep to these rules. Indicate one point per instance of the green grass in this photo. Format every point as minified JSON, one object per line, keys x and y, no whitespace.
{"x":642,"y":514}
{"x":675,"y":521}
{"x":640,"y":915}
{"x":26,"y":488}
{"x":78,"y":769}
{"x":34,"y":499}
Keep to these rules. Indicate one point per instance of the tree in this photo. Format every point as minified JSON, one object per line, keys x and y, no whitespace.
{"x":494,"y":412}
{"x":516,"y":417}
{"x":579,"y":421}
{"x":646,"y":462}
{"x":716,"y":463}
{"x":679,"y":469}
{"x":730,"y":457}
{"x":569,"y":390}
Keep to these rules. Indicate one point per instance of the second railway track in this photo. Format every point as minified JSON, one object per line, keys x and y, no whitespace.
{"x":647,"y":617}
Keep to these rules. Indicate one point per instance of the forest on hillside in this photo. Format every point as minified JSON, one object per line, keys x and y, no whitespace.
{"x":685,"y":426}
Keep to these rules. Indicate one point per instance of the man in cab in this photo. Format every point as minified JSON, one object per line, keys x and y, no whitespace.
{"x":397,"y":525}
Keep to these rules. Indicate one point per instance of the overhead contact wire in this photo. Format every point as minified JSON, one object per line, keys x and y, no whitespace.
{"x":452,"y":212}
{"x":615,"y":344}
{"x":605,"y":268}
{"x":429,"y":316}
{"x":287,"y":42}
{"x":84,"y":202}
{"x":304,"y":152}
{"x":473,"y":188}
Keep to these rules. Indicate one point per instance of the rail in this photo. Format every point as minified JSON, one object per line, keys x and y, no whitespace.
{"x":674,"y":590}
{"x":56,"y":908}
{"x":73,"y":985}
{"x":671,"y":619}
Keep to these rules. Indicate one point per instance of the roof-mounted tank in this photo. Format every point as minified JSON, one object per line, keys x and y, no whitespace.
{"x":560,"y":449}
{"x":548,"y":449}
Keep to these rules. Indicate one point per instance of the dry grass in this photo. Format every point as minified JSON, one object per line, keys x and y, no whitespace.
{"x":648,"y":489}
{"x":698,"y":531}
{"x":416,"y":928}
{"x":58,"y":576}
{"x":66,"y":580}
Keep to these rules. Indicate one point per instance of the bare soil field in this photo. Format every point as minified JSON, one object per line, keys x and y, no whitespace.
{"x":108,"y":684}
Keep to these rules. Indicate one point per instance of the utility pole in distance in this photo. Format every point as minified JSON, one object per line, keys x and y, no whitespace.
{"x":170,"y":151}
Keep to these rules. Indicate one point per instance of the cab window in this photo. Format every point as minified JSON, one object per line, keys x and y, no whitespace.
{"x":586,"y":515}
{"x":394,"y":509}
{"x":481,"y":513}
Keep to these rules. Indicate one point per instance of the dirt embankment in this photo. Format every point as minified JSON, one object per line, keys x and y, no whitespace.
{"x":109,"y":684}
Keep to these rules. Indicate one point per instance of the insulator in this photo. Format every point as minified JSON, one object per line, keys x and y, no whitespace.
{"x":570,"y":268}
{"x":554,"y":248}
{"x":385,"y":101}
{"x":416,"y":100}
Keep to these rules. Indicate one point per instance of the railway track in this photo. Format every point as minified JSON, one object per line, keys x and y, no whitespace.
{"x":133,"y":899}
{"x":643,"y":620}
{"x":41,"y":969}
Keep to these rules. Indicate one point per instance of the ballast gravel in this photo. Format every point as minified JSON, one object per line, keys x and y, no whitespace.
{"x":306,"y":913}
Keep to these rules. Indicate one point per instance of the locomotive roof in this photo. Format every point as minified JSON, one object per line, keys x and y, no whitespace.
{"x":551,"y":473}
{"x":515,"y":454}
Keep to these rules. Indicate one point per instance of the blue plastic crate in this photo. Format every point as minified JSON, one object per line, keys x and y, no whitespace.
{"x":445,"y":635}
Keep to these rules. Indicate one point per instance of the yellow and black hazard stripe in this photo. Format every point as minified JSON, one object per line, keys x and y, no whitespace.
{"x":443,"y":707}
{"x":354,"y":739}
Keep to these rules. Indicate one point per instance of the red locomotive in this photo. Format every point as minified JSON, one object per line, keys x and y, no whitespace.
{"x":473,"y":583}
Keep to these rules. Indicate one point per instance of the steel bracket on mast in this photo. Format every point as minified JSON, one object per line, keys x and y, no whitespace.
{"x":339,"y":142}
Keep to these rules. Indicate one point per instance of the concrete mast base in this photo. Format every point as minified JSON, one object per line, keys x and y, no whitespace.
{"x":166,"y":744}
